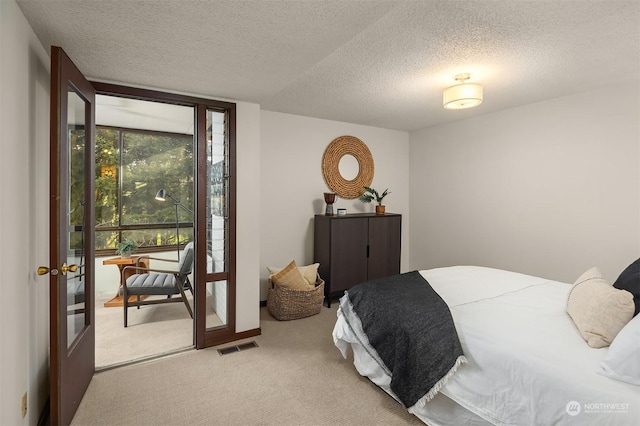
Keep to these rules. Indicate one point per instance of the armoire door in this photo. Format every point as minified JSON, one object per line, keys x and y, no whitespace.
{"x":349,"y":238}
{"x":384,"y":246}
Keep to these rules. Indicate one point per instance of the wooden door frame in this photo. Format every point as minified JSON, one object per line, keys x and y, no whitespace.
{"x":202,"y":337}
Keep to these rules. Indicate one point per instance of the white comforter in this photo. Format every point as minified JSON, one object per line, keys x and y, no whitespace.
{"x":527,"y":363}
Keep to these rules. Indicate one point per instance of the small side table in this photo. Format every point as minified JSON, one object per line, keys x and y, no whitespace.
{"x":122,"y":263}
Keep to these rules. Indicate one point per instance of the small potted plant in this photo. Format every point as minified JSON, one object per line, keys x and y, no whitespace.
{"x":371,"y":194}
{"x":126,"y":247}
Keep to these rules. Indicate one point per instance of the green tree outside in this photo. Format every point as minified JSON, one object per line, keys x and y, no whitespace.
{"x":131,"y":166}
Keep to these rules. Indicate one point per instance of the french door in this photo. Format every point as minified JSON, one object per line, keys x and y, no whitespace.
{"x":71,"y":269}
{"x":72,"y":220}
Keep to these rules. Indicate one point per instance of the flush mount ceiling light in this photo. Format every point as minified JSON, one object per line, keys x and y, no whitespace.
{"x":462,"y":95}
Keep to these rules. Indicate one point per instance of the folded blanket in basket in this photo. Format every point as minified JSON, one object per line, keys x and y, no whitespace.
{"x":409,"y":331}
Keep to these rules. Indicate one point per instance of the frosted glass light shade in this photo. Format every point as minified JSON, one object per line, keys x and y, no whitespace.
{"x":460,"y":96}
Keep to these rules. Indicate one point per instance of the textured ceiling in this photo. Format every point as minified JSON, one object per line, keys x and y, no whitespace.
{"x":378,"y":63}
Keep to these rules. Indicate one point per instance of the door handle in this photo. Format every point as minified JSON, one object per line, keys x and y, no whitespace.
{"x":42,"y":270}
{"x":71,"y":268}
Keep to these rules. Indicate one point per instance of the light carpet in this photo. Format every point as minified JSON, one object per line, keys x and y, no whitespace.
{"x":296,"y":376}
{"x":152,"y":330}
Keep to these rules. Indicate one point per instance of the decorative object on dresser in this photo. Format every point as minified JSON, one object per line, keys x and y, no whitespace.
{"x":355,"y":248}
{"x":339,"y":148}
{"x":371,"y":194}
{"x":329,"y":198}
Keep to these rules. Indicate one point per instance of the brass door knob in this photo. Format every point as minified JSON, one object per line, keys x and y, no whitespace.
{"x":42,"y":270}
{"x":64,"y":268}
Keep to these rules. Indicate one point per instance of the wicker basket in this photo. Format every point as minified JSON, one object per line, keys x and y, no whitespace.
{"x":287,"y":304}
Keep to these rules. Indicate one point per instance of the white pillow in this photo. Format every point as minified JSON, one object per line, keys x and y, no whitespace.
{"x":623,"y":359}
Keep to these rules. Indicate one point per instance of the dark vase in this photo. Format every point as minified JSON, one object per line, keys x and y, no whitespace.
{"x":329,"y":198}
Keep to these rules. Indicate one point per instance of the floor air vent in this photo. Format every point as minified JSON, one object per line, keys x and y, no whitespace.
{"x":238,"y":348}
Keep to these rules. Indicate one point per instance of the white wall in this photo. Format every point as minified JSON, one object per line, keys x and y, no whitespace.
{"x":248,"y":216}
{"x":24,"y":218}
{"x":548,"y":189}
{"x":291,"y":186}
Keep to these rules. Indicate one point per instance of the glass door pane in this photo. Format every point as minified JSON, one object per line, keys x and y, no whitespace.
{"x":217,"y":174}
{"x":76,"y":313}
{"x":217,"y":218}
{"x":217,"y":297}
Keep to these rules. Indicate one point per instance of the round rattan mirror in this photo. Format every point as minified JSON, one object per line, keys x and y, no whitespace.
{"x":338,"y":148}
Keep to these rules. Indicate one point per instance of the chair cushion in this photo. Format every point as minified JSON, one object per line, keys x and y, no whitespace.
{"x":185,"y":261}
{"x":152,"y":284}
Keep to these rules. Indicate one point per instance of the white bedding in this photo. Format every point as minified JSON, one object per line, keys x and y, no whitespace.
{"x":527,"y":363}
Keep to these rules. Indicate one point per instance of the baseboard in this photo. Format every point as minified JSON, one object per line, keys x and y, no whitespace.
{"x":249,"y":333}
{"x":218,"y":340}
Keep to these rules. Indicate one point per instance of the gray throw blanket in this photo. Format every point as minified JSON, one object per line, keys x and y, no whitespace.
{"x":411,"y":330}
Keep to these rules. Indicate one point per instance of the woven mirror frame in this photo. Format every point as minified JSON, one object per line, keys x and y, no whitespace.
{"x":338,"y":148}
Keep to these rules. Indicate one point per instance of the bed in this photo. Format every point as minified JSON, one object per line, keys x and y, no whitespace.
{"x":524,"y":361}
